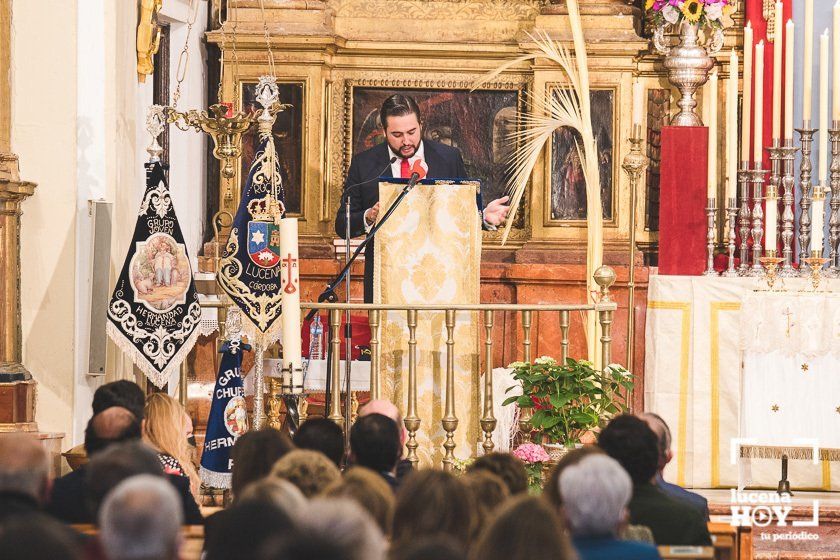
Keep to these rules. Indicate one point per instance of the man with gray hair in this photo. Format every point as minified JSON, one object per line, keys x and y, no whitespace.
{"x":141,"y":520}
{"x":24,"y":475}
{"x":595,"y":493}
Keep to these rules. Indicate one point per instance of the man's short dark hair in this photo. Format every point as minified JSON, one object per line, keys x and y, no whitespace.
{"x":115,"y":464}
{"x":630,"y":441}
{"x":398,"y":105}
{"x":113,"y":425}
{"x":324,"y":435}
{"x":664,"y":438}
{"x":507,"y":467}
{"x":375,"y":442}
{"x":120,"y":393}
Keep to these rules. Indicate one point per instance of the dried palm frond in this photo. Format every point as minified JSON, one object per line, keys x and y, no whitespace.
{"x":565,"y":107}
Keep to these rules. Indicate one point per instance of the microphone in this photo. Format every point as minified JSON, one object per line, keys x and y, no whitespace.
{"x":354,"y":185}
{"x":418,"y":173}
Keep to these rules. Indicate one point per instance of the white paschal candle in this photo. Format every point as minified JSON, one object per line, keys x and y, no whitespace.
{"x":731,"y":188}
{"x":747,"y":107}
{"x":758,"y":121}
{"x":808,"y":61}
{"x":789,"y":63}
{"x":778,"y":56}
{"x":713,"y":137}
{"x":290,"y":286}
{"x":822,"y":167}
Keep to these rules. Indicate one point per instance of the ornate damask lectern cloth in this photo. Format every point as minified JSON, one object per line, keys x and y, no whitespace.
{"x":429,"y":251}
{"x":154,"y":312}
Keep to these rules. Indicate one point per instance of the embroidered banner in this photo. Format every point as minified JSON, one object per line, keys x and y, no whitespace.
{"x":249,"y":271}
{"x":154,"y":313}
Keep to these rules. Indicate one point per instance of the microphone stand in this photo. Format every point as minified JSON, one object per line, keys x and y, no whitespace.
{"x":329,"y":295}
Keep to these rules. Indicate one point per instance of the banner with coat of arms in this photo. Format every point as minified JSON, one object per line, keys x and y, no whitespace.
{"x":249,"y":270}
{"x":154,"y":312}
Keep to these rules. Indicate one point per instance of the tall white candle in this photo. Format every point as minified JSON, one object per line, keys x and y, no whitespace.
{"x":808,"y":64}
{"x":638,"y":106}
{"x":771,"y":211}
{"x":823,"y":133}
{"x":835,"y":83}
{"x":758,"y":121}
{"x":778,"y":55}
{"x":290,"y":287}
{"x":732,"y":129}
{"x":789,"y":35}
{"x":713,"y":136}
{"x":817,"y":221}
{"x":746,"y":113}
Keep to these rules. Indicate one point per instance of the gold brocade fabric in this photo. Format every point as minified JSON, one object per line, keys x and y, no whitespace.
{"x":430,"y":252}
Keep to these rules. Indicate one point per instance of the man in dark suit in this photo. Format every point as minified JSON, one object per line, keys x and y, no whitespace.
{"x":404,"y":146}
{"x":663,"y":434}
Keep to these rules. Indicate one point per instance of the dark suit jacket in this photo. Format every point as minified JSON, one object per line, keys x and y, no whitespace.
{"x":672,"y":522}
{"x":695,"y":500}
{"x":445,"y":162}
{"x":69,"y":499}
{"x":610,"y":548}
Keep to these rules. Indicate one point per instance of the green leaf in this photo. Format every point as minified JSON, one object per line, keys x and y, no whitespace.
{"x":510,"y":400}
{"x":551,"y":422}
{"x":524,"y":401}
{"x":559,"y":401}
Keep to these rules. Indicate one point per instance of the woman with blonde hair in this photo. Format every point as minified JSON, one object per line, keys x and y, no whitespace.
{"x":168,"y":429}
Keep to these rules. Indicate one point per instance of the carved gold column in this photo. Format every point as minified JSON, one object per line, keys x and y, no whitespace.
{"x":16,"y":384}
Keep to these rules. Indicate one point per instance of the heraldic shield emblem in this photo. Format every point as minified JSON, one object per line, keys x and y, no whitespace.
{"x":263,"y":236}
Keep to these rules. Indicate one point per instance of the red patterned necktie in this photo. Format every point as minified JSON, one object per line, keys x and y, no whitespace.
{"x":405,"y":169}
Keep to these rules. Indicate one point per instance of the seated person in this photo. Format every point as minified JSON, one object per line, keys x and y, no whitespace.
{"x":375,"y":444}
{"x":324,"y":435}
{"x":630,"y":441}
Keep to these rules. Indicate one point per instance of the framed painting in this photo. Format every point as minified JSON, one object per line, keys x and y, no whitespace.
{"x":567,"y":195}
{"x":478,"y":123}
{"x":288,"y":141}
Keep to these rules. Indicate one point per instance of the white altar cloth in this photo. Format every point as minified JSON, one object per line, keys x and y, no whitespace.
{"x":715,"y":353}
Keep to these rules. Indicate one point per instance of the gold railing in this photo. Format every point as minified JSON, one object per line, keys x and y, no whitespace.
{"x":605,"y":310}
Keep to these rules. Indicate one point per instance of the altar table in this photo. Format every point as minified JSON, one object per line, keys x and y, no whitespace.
{"x":727,"y":360}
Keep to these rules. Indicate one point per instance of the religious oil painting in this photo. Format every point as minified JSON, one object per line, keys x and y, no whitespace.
{"x":160,"y":273}
{"x":288,"y":140}
{"x":568,"y":187}
{"x":479,"y":123}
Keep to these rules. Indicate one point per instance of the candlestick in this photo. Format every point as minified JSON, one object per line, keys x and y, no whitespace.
{"x":731,"y":187}
{"x":757,"y":177}
{"x":789,"y":63}
{"x":815,"y":264}
{"x":823,"y":135}
{"x":835,"y":83}
{"x":771,"y":199}
{"x":778,"y":56}
{"x":731,"y":218}
{"x":711,"y":236}
{"x":746,"y":112}
{"x":808,"y":60}
{"x":787,"y":184}
{"x":770,"y":262}
{"x":758,"y":121}
{"x":834,"y":204}
{"x":744,"y":218}
{"x":713,"y":137}
{"x":806,"y":137}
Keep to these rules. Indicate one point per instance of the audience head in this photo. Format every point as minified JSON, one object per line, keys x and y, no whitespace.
{"x":344,"y":523}
{"x":389,"y":409}
{"x":38,"y":537}
{"x":525,"y":528}
{"x":489,"y":492}
{"x":595,"y":495}
{"x":113,"y":425}
{"x":507,"y":467}
{"x":431,"y":503}
{"x":167,"y":428}
{"x":551,"y":489}
{"x":310,"y":471}
{"x":430,"y":548}
{"x":141,"y":520}
{"x":253,"y":455}
{"x":276,"y":491}
{"x":245,"y":530}
{"x":126,"y":394}
{"x":324,"y":435}
{"x":114,"y":465}
{"x":663,"y":437}
{"x":375,"y":443}
{"x":24,"y":466}
{"x":631,"y":442}
{"x":370,"y":491}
